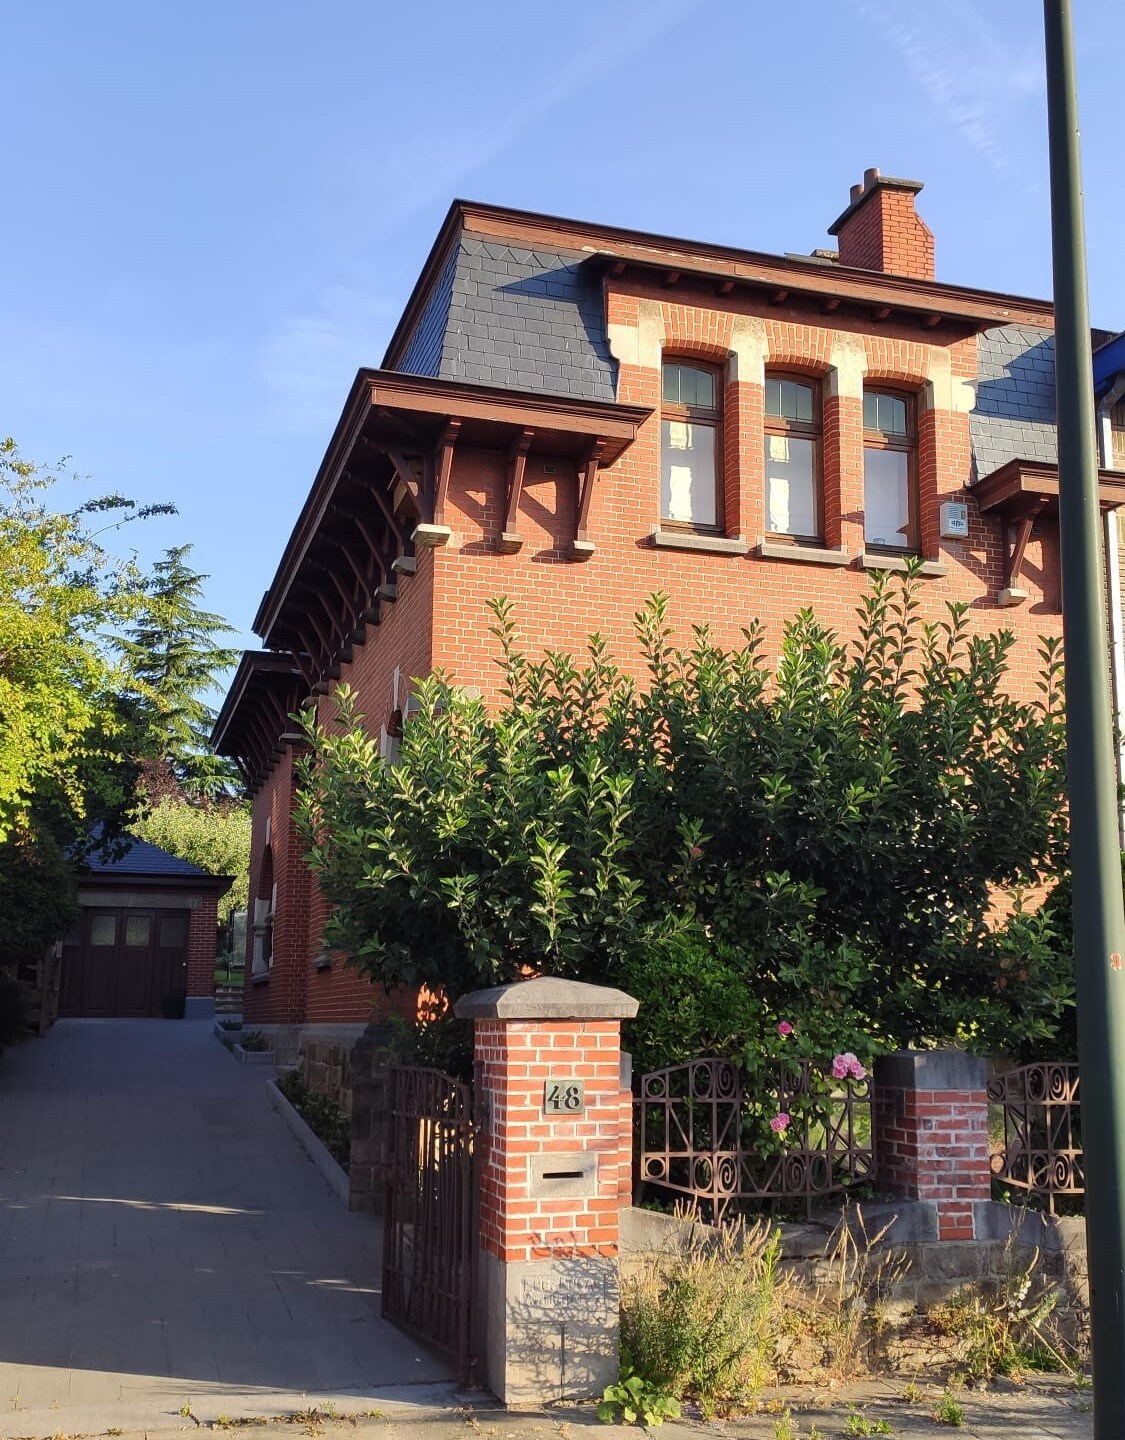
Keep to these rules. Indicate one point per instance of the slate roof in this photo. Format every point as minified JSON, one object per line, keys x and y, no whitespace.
{"x":515,"y":318}
{"x":144,"y":859}
{"x":1014,"y":415}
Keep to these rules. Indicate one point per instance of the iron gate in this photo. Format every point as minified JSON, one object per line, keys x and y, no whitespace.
{"x":428,"y":1231}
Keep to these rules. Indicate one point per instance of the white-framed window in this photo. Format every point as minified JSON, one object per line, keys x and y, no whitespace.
{"x":691,"y":446}
{"x":890,"y":471}
{"x":794,"y":503}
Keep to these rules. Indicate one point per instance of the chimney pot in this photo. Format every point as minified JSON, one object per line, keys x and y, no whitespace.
{"x":857,"y":191}
{"x":870,"y":176}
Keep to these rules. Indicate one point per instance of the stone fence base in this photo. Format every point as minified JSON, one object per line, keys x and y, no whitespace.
{"x":931,"y":1271}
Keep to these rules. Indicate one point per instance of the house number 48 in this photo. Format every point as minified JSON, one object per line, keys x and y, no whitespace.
{"x":564,"y":1097}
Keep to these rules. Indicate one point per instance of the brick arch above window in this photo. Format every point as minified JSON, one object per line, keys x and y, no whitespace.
{"x":706,"y":335}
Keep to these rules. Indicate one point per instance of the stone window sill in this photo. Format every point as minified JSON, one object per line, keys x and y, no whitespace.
{"x":873,"y":560}
{"x":260,"y":979}
{"x":322,"y":961}
{"x":707,"y":544}
{"x":801,"y":554}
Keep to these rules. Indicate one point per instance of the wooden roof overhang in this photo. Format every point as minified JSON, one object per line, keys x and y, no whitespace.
{"x":1024,"y":491}
{"x":380,"y":493}
{"x":253,"y":725}
{"x":828,"y":289}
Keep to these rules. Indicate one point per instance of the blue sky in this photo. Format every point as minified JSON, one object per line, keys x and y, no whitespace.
{"x":214,"y":213}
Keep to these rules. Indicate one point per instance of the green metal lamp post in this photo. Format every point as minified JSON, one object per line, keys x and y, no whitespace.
{"x":1099,"y":915}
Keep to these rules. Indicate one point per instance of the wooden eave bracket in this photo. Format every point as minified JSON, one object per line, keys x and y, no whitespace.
{"x":510,"y":539}
{"x":443,"y":468}
{"x":582,"y":547}
{"x":1012,"y":593}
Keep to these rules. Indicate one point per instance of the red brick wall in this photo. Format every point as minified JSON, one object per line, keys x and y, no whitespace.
{"x":201,"y":946}
{"x":936,"y":1148}
{"x":514,"y":1059}
{"x":299,"y":989}
{"x":279,"y":999}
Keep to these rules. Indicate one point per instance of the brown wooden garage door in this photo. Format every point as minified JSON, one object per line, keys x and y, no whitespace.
{"x":125,"y":963}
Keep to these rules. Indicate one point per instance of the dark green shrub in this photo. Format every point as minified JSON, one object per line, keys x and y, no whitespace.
{"x":820,"y":841}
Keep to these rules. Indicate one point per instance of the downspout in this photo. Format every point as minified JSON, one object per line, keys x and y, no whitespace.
{"x":1113,"y":586}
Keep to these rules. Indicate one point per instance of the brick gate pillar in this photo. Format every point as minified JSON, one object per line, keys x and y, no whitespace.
{"x":931,"y":1135}
{"x":555,"y":1169}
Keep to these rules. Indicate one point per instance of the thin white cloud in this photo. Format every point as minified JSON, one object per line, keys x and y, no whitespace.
{"x":973,"y":73}
{"x":438,"y":164}
{"x":308,"y":362}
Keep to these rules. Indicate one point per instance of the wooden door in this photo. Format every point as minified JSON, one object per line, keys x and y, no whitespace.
{"x":126,"y":962}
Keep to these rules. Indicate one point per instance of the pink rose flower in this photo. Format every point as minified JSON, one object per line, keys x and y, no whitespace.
{"x":839,"y":1067}
{"x":785,"y":1028}
{"x":779,"y":1123}
{"x":695,"y":852}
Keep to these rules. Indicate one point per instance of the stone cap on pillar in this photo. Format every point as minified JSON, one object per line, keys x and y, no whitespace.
{"x":931,"y":1070}
{"x":547,"y":998}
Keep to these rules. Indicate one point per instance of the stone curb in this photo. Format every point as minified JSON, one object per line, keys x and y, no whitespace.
{"x":253,"y":1057}
{"x":311,"y":1143}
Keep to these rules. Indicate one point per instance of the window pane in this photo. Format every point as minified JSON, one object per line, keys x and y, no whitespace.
{"x":804,"y":402}
{"x":773,"y":397}
{"x":886,"y":413}
{"x":790,"y":485}
{"x":138,"y":929}
{"x":886,"y":497}
{"x":103,"y":930}
{"x":173,"y":932}
{"x":687,"y":473}
{"x":687,"y":385}
{"x":892,"y":415}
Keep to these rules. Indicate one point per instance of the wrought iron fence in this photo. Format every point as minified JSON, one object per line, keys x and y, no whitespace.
{"x":1042,"y":1151}
{"x":703,"y":1137}
{"x":428,"y":1230}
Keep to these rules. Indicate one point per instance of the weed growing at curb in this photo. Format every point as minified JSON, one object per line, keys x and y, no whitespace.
{"x":949,"y":1411}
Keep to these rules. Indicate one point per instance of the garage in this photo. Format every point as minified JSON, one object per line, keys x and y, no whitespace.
{"x":144,"y":943}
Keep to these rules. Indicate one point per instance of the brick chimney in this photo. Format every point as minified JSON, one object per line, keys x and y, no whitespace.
{"x":880,"y":229}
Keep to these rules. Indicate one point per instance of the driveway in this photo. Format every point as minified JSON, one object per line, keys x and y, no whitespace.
{"x":164,"y":1243}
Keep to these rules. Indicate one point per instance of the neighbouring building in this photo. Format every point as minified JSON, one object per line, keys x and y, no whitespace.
{"x":576,"y":415}
{"x":144,"y":941}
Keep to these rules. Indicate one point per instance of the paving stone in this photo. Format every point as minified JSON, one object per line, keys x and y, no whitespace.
{"x":163,"y":1237}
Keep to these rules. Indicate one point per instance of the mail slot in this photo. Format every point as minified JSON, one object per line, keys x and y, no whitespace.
{"x":556,"y":1177}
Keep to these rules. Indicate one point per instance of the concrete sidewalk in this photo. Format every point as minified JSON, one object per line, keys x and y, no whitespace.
{"x":164,"y":1242}
{"x":1045,"y":1409}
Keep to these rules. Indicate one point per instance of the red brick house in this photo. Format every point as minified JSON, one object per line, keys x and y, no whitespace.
{"x":576,"y":416}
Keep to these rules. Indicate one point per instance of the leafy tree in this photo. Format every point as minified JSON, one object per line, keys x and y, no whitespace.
{"x":214,"y":837}
{"x":824,"y":841}
{"x":66,"y":732}
{"x":38,"y":897}
{"x":174,"y":656}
